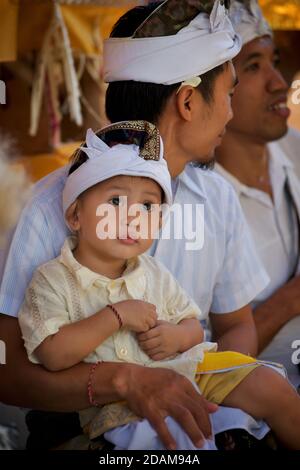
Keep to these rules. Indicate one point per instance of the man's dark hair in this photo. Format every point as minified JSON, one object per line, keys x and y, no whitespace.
{"x":130,"y":100}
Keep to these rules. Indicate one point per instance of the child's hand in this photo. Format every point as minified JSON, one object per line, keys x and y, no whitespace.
{"x":160,"y":342}
{"x":137,"y":315}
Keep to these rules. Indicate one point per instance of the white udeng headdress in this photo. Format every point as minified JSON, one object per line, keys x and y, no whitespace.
{"x":248,"y":20}
{"x":207,"y":41}
{"x":104,"y":161}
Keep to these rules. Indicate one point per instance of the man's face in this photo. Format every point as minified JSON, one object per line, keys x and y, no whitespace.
{"x":259,"y":102}
{"x":209,"y":121}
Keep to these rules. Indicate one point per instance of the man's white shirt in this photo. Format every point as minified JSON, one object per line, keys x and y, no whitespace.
{"x":225,"y":274}
{"x":274,"y":229}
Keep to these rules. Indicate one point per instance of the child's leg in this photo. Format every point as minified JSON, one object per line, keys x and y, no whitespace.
{"x":265,"y":394}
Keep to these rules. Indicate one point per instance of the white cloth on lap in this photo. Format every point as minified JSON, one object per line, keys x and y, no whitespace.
{"x":141,"y":436}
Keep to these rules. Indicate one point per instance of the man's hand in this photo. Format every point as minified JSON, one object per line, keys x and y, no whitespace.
{"x":137,"y":315}
{"x":160,"y":342}
{"x":154,"y":394}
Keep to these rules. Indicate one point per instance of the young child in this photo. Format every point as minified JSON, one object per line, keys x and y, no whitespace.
{"x":103,"y":299}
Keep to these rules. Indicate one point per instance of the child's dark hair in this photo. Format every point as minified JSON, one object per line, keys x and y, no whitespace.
{"x":77,"y":159}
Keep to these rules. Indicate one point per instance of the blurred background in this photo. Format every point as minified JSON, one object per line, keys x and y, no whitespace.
{"x":52,"y":91}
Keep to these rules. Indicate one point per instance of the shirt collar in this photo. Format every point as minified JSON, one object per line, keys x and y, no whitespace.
{"x":191,"y":177}
{"x":238,"y":186}
{"x":278,"y":157}
{"x":133,"y":276}
{"x":278,"y":162}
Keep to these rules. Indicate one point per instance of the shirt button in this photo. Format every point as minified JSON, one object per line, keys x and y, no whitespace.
{"x":123,"y":352}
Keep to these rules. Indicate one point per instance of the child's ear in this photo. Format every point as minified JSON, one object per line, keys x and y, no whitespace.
{"x":72,"y":218}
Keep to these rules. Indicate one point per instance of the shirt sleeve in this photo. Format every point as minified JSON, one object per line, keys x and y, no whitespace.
{"x":31,"y":246}
{"x":242,"y":275}
{"x":178,"y":304}
{"x":44,"y":310}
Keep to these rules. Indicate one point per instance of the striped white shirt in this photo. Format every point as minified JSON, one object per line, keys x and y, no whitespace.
{"x":274,"y":229}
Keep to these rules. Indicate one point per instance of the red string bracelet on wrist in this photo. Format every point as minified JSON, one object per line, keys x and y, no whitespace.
{"x":94,"y":366}
{"x":90,"y":385}
{"x":116,"y":314}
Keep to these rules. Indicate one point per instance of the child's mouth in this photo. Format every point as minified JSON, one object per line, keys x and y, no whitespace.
{"x":128,"y":241}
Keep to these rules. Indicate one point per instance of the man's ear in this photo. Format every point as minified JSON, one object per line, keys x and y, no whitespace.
{"x":72,"y":217}
{"x":185,"y":102}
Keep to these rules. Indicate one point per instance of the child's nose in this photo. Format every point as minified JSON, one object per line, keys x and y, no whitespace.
{"x":132,"y":219}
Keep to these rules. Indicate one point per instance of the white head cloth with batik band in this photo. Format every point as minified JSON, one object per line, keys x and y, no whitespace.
{"x":180,"y":40}
{"x":248,"y":20}
{"x":140,"y":154}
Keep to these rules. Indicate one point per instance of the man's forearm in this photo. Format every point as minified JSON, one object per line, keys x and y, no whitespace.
{"x":240,"y":338}
{"x":31,"y":386}
{"x":235,"y":331}
{"x":34,"y":387}
{"x":275,"y":312}
{"x":270,"y":317}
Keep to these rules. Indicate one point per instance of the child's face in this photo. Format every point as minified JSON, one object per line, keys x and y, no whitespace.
{"x":119,"y":217}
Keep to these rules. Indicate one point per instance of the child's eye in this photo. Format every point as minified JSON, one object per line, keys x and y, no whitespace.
{"x":148,"y":206}
{"x":115,"y":201}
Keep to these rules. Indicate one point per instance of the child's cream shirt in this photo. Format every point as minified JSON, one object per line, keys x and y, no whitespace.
{"x":63,"y":291}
